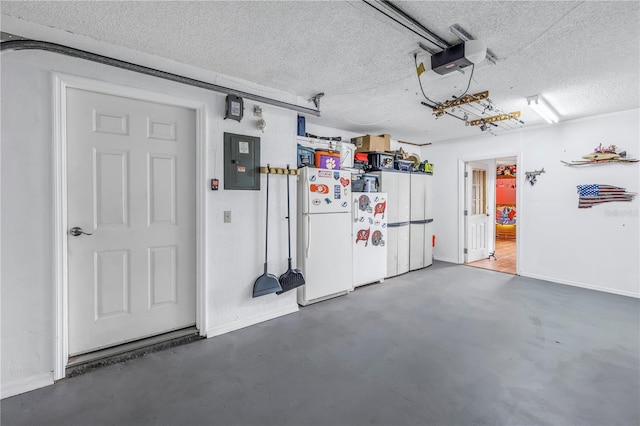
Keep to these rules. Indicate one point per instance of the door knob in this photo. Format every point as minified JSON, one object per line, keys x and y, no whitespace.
{"x":76,"y":231}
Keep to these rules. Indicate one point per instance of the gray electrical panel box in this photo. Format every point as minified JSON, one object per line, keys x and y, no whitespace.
{"x":241,"y":162}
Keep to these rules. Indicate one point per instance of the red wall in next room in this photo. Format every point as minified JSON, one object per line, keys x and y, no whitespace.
{"x":506,"y":191}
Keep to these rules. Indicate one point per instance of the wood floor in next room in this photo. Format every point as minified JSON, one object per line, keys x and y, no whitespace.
{"x":505,"y":258}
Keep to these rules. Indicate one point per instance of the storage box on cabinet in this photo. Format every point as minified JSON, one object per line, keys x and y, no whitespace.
{"x":367,"y":143}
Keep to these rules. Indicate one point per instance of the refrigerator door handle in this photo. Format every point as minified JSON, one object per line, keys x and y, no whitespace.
{"x":355,"y":210}
{"x":308,"y":235}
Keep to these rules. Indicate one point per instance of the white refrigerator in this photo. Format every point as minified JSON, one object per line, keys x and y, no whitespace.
{"x":421,"y":224}
{"x":324,"y":252}
{"x":369,"y":237}
{"x":396,"y":184}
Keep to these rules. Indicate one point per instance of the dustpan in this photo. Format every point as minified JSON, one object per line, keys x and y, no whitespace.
{"x":292,"y":278}
{"x":266,"y":283}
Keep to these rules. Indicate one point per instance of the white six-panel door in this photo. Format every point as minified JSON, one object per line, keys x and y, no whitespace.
{"x":130,"y":184}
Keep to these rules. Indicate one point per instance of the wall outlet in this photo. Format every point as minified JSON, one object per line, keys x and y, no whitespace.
{"x":227,"y":216}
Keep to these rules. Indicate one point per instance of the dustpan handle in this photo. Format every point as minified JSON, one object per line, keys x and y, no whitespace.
{"x":288,"y":217}
{"x":266,"y":234}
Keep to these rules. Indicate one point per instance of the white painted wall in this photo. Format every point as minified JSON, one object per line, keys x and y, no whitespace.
{"x":234,"y":253}
{"x":594,"y":248}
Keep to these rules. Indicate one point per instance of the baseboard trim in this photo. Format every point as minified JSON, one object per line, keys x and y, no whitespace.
{"x":582,"y":285}
{"x":445,"y":259}
{"x":26,"y":385}
{"x":247,"y":322}
{"x":323,"y":298}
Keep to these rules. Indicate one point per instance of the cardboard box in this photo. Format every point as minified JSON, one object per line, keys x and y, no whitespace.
{"x":372,"y":143}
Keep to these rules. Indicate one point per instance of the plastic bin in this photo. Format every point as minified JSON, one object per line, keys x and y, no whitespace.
{"x":364,"y":183}
{"x":380,"y":161}
{"x":306,"y":156}
{"x":404,"y":165}
{"x":363,"y":157}
{"x":346,"y":153}
{"x":357,"y":185}
{"x":328,"y":160}
{"x":371,"y":183}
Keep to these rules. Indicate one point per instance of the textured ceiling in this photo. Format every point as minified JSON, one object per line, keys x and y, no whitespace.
{"x":582,"y":57}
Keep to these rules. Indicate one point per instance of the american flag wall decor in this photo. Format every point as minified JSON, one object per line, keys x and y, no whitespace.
{"x":590,"y":195}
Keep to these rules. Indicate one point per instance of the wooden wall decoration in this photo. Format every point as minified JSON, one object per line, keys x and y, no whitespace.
{"x":602,"y":155}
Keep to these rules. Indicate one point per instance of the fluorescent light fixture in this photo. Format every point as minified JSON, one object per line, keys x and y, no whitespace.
{"x":542,"y":109}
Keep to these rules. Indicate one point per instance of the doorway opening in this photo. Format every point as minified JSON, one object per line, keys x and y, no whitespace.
{"x":491,"y":214}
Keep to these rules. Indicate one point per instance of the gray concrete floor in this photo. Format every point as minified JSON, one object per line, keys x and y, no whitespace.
{"x":447,"y":345}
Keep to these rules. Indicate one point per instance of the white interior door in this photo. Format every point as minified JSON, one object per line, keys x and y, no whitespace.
{"x":476,"y":212}
{"x":131,"y":189}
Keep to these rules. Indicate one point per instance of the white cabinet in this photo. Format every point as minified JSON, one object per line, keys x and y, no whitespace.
{"x":416,"y":246}
{"x":398,"y":250}
{"x":428,"y":244}
{"x":398,"y":188}
{"x":397,"y":185}
{"x":421,"y":245}
{"x":418,"y":196}
{"x":410,"y":220}
{"x":421,"y":227}
{"x":403,"y":249}
{"x":392,"y":251}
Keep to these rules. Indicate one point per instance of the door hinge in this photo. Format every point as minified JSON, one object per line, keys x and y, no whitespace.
{"x":466,"y":212}
{"x":466,"y":251}
{"x":466,"y":174}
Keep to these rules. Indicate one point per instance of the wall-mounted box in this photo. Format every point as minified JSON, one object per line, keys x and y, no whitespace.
{"x":241,"y":162}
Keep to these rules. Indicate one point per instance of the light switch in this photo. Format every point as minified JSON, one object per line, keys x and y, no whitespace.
{"x":227,"y":216}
